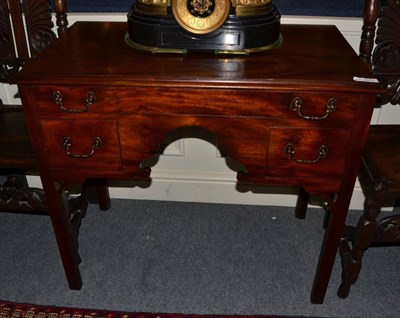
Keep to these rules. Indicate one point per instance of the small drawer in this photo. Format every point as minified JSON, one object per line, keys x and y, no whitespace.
{"x":307,"y":153}
{"x":82,"y":144}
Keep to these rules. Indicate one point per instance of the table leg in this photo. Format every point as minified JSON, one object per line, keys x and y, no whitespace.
{"x":302,"y":203}
{"x":60,"y":217}
{"x":333,"y":234}
{"x":98,"y":193}
{"x":103,"y":195}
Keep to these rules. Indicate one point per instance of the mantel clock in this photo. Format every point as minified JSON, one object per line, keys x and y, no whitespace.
{"x":223,"y":26}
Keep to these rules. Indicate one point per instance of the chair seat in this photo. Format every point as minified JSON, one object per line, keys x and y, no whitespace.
{"x":15,"y":146}
{"x":381,"y":154}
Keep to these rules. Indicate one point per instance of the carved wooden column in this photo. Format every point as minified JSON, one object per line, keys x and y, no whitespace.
{"x":368,"y":30}
{"x":60,"y":8}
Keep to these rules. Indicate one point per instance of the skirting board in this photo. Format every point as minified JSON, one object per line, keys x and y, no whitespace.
{"x":207,"y":191}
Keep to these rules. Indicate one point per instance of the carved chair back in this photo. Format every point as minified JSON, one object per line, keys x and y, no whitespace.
{"x":379,"y":174}
{"x":382,"y":51}
{"x":26,"y":28}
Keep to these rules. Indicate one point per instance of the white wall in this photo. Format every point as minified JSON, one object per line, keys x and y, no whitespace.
{"x":193,"y":170}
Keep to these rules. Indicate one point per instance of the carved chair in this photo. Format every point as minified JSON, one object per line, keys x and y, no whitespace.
{"x":25,"y":30}
{"x":380,"y":167}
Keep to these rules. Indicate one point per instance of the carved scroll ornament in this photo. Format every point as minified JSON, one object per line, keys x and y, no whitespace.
{"x":386,"y":57}
{"x":39,"y":24}
{"x":6,"y":42}
{"x":7,"y":53}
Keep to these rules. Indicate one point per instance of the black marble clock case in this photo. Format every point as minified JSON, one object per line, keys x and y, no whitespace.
{"x":237,"y":34}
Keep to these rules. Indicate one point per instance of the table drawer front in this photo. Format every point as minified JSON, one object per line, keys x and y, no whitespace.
{"x":303,"y":106}
{"x":82,"y":144}
{"x":314,"y":108}
{"x":65,"y":100}
{"x":304,"y":152}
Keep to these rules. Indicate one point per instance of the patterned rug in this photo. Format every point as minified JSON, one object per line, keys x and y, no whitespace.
{"x":17,"y":310}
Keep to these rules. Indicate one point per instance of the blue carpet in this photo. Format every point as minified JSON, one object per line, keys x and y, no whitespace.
{"x":191,"y":258}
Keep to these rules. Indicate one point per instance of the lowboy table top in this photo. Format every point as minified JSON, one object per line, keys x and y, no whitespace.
{"x":96,"y":108}
{"x":310,"y":57}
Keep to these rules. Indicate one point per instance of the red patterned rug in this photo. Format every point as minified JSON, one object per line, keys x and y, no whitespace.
{"x":17,"y":310}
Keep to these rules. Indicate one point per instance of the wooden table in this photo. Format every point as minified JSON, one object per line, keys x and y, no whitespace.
{"x":97,"y":108}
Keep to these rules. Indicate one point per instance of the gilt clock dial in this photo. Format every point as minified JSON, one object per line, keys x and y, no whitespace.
{"x":201,"y":16}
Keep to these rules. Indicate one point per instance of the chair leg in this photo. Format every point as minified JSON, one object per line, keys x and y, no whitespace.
{"x":302,"y":204}
{"x":363,"y":237}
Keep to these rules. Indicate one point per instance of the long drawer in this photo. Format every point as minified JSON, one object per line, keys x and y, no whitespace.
{"x":67,"y":101}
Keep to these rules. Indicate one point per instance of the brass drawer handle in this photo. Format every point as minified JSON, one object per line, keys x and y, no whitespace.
{"x":296,"y":106}
{"x":291,"y":151}
{"x":67,"y":143}
{"x":89,"y":101}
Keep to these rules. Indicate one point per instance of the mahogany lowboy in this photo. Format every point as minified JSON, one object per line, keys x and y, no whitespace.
{"x":97,"y":108}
